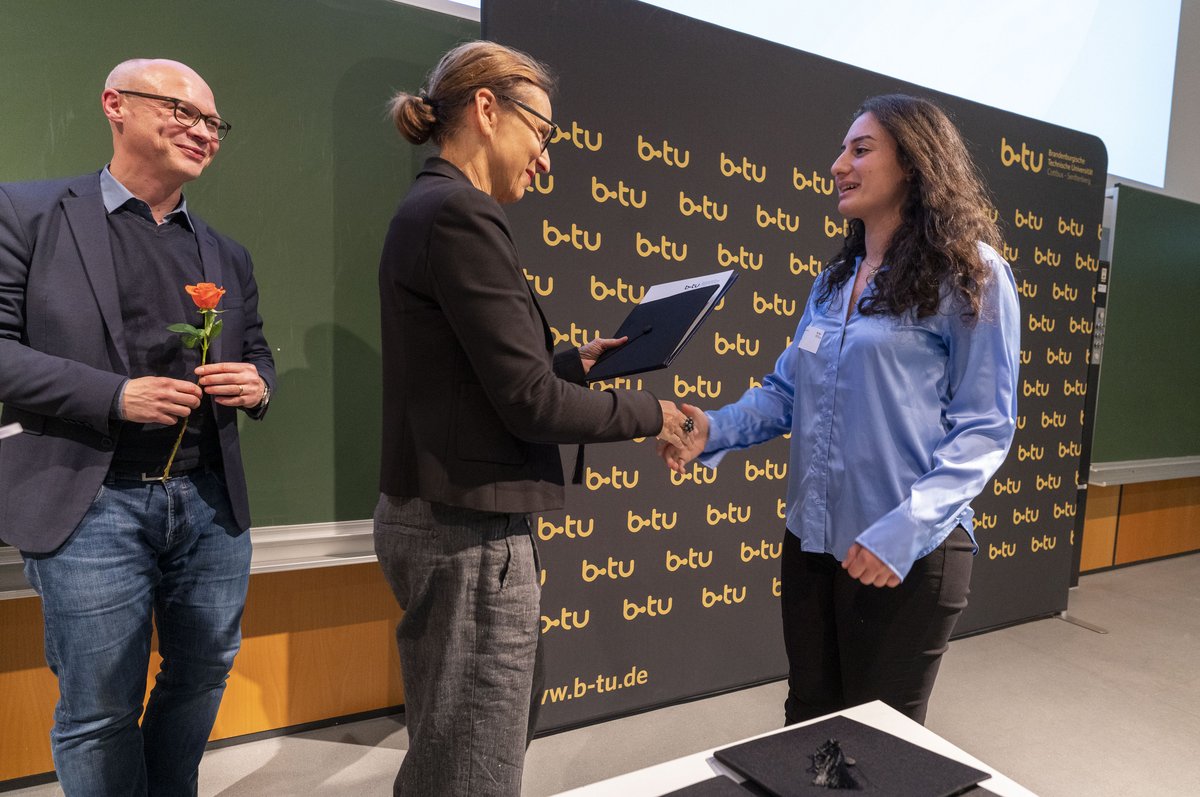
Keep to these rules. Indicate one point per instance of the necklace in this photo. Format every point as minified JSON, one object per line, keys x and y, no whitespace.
{"x":873,"y":268}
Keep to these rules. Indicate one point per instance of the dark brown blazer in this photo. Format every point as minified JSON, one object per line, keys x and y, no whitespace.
{"x":474,"y":402}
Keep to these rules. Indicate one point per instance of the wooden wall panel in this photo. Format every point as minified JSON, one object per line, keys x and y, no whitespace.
{"x":27,"y":691}
{"x":320,"y":643}
{"x":316,"y":644}
{"x":1099,"y":527}
{"x":1158,"y":519}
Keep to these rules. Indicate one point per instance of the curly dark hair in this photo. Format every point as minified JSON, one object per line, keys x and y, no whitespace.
{"x":946,"y":212}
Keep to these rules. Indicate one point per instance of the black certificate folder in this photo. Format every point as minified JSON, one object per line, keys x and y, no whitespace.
{"x":883,"y":764}
{"x":661,"y":325}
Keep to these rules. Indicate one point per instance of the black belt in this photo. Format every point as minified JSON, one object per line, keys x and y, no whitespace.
{"x":118,"y":474}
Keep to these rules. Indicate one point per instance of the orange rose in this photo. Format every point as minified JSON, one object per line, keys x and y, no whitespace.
{"x":205,"y":295}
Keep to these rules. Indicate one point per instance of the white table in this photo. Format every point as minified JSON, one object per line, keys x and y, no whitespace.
{"x":671,"y":775}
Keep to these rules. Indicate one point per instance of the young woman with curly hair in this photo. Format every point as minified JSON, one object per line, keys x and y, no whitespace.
{"x":900,"y":392}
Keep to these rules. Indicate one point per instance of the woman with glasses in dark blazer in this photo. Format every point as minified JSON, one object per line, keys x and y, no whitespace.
{"x":474,"y":407}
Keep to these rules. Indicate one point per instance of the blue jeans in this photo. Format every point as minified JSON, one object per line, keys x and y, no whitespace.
{"x":468,"y":584}
{"x":169,"y":550}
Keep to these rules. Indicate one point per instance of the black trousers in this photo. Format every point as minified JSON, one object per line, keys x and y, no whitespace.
{"x":848,"y":643}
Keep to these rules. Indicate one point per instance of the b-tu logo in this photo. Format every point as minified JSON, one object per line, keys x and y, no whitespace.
{"x":657,"y":521}
{"x":580,"y":137}
{"x":748,"y":170}
{"x":576,"y":236}
{"x":624,"y":195}
{"x":670,"y":155}
{"x":819,"y":184}
{"x":668,"y":249}
{"x":705,"y":207}
{"x":694,"y":560}
{"x":1028,"y":159}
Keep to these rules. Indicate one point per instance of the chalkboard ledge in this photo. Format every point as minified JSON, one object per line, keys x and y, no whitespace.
{"x":276,"y":548}
{"x":1106,"y":474}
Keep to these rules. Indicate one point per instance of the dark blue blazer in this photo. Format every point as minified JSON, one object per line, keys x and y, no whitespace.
{"x":63,"y":354}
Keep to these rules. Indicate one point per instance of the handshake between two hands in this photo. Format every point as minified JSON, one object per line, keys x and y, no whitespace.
{"x":683,"y":435}
{"x":678,"y":445}
{"x":684,"y":432}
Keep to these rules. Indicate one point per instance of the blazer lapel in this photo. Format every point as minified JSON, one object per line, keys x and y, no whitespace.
{"x":84,"y":210}
{"x":210,"y":262}
{"x":444,"y":168}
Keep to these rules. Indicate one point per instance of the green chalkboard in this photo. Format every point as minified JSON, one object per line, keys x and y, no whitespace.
{"x":307,"y":180}
{"x":1150,"y":368}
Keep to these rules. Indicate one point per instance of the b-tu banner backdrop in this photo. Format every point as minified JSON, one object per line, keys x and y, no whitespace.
{"x":687,"y":149}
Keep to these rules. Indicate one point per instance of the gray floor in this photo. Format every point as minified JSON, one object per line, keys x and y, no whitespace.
{"x":1058,"y":708}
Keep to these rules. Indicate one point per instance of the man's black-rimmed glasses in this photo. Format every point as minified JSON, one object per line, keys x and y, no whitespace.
{"x":187,"y":114}
{"x":548,"y":136}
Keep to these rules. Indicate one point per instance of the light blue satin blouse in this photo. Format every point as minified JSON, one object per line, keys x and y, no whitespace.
{"x":897,"y":423}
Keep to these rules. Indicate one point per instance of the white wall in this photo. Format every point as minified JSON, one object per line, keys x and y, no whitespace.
{"x":1183,"y":145}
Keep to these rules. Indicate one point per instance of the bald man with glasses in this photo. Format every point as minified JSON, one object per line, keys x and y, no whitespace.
{"x":92,"y":272}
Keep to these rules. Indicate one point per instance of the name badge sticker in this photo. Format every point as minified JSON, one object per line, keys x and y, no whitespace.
{"x":811,"y":339}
